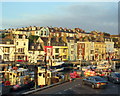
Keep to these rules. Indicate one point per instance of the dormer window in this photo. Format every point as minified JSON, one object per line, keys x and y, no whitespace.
{"x":41,"y":32}
{"x":20,"y":36}
{"x":38,"y":47}
{"x":51,"y":30}
{"x":32,"y":47}
{"x":45,"y":33}
{"x":24,"y":37}
{"x":36,"y":32}
{"x":8,"y":42}
{"x":24,"y":43}
{"x":16,"y":43}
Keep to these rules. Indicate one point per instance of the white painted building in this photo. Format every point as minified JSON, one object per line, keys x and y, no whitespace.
{"x":109,"y":46}
{"x":7,"y":52}
{"x":43,"y":32}
{"x":21,"y":46}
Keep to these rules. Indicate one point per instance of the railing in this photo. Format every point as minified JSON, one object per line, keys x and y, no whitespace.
{"x":65,"y":79}
{"x":19,"y":53}
{"x":39,"y":89}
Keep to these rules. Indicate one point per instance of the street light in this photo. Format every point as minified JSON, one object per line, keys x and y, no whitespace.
{"x":45,"y":68}
{"x":80,"y":66}
{"x":80,"y":63}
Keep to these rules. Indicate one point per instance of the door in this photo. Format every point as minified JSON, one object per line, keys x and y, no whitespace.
{"x":88,"y":80}
{"x":111,"y":77}
{"x":92,"y":81}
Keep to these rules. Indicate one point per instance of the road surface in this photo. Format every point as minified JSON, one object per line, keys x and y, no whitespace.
{"x":76,"y":87}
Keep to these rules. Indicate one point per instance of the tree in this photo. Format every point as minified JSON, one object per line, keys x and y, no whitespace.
{"x":106,"y":34}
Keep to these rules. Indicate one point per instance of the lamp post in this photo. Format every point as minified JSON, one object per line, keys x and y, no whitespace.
{"x":45,"y":69}
{"x":80,"y":63}
{"x":80,"y":66}
{"x":35,"y":78}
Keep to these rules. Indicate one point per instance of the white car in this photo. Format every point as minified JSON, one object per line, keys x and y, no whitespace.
{"x":103,"y":66}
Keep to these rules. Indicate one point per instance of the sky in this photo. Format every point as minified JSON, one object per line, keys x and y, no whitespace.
{"x":89,"y":16}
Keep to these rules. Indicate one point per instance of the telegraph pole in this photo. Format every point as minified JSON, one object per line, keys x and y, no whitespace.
{"x":50,"y":61}
{"x":35,"y":70}
{"x":45,"y":69}
{"x":15,"y":51}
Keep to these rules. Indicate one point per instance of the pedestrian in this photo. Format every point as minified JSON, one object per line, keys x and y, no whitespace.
{"x":7,"y":83}
{"x":3,"y":83}
{"x":63,"y":76}
{"x":71,"y":79}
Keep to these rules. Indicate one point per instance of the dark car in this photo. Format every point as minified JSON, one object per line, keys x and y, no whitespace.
{"x":114,"y":77}
{"x":95,"y":82}
{"x":17,"y":88}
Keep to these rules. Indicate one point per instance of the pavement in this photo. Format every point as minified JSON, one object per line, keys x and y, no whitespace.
{"x":76,"y":87}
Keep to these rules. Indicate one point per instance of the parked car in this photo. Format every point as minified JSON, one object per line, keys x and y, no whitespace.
{"x":103,"y":66}
{"x":114,"y":77}
{"x":95,"y":82}
{"x":17,"y":88}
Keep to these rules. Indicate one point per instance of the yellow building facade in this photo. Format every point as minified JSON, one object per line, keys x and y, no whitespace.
{"x":60,"y":53}
{"x":87,"y":50}
{"x":100,"y":50}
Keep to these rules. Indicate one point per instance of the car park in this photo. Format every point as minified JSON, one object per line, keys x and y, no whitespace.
{"x":114,"y":77}
{"x":95,"y":82}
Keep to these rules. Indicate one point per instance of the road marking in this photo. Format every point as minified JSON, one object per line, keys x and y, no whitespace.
{"x":113,"y":86}
{"x":76,"y":85}
{"x":65,"y":89}
{"x":76,"y":91}
{"x":59,"y":93}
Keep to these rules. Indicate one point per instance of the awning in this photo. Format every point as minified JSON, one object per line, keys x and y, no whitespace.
{"x":21,"y":60}
{"x":115,"y":59}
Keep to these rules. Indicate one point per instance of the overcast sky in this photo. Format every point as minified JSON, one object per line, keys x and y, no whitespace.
{"x":100,"y":16}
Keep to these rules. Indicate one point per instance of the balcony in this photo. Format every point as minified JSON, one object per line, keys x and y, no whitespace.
{"x":21,"y":60}
{"x":6,"y":52}
{"x":57,"y":53}
{"x":19,"y":53}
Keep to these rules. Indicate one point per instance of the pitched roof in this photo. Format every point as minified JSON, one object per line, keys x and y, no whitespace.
{"x":72,"y":38}
{"x":59,"y":43}
{"x":115,"y":35}
{"x":36,"y":47}
{"x":45,"y":40}
{"x":5,"y":40}
{"x":51,"y":29}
